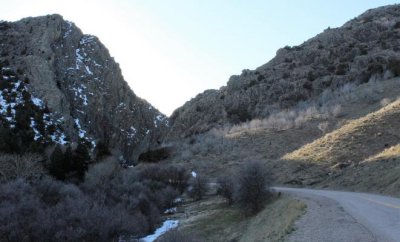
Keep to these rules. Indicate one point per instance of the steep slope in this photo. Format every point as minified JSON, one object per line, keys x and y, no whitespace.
{"x":362,"y":155}
{"x":75,"y":77}
{"x":365,"y":48}
{"x":358,"y":140}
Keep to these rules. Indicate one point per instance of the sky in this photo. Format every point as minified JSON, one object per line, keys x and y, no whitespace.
{"x":171,"y":50}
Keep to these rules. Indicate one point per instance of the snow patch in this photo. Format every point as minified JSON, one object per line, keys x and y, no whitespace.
{"x":178,"y":200}
{"x":170,"y":210}
{"x":79,"y":59}
{"x":86,"y":39}
{"x":96,"y":64}
{"x":37,"y":133}
{"x":79,"y":93}
{"x":159,"y":119}
{"x":88,"y":71}
{"x":69,"y":30}
{"x":167,"y":225}
{"x":121,"y":105}
{"x":83,"y":135}
{"x":194,"y":174}
{"x":37,"y":102}
{"x":82,"y":132}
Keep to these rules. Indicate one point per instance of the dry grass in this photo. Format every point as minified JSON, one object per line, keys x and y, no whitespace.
{"x":213,"y":220}
{"x":379,"y":173}
{"x":275,"y":222}
{"x":355,"y":141}
{"x":389,"y":153}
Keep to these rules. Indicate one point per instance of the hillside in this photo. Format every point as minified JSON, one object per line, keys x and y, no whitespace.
{"x":363,"y":49}
{"x":73,"y":77}
{"x":362,"y":155}
{"x":357,"y":141}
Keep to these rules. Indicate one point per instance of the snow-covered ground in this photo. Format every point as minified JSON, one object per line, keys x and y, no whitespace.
{"x":167,"y":225}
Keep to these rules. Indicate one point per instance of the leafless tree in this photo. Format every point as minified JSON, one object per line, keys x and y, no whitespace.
{"x":253,"y":187}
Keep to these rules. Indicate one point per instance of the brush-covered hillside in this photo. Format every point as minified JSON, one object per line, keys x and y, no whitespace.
{"x":324,"y":113}
{"x":363,"y":49}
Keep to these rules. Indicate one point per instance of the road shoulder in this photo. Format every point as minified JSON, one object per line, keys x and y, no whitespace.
{"x":325,"y":220}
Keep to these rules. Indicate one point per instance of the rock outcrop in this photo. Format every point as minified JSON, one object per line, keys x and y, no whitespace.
{"x":76,"y":79}
{"x":363,"y":49}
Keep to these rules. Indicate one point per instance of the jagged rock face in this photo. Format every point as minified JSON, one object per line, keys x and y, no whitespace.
{"x":363,"y":48}
{"x":76,"y":78}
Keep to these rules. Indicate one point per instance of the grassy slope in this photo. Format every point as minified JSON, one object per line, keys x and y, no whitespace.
{"x":356,"y":141}
{"x":368,"y":147}
{"x":365,"y":139}
{"x":213,"y":220}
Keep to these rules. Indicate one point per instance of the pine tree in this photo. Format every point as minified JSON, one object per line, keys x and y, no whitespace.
{"x":101,"y":150}
{"x":59,"y":166}
{"x":80,"y":159}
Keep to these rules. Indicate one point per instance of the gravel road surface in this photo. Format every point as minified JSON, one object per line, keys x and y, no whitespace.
{"x":345,"y":216}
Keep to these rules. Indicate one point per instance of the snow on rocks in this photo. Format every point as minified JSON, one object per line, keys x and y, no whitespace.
{"x":159,"y":119}
{"x":83,"y":133}
{"x":38,"y":135}
{"x":170,"y":210}
{"x":79,"y":93}
{"x":69,"y":29}
{"x":15,"y":96}
{"x":78,"y":59}
{"x":88,"y":71}
{"x":37,"y":102}
{"x":86,"y":39}
{"x":82,"y":59}
{"x":178,"y":200}
{"x":131,"y":132}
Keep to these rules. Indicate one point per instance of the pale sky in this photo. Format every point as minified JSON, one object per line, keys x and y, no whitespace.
{"x":171,"y":50}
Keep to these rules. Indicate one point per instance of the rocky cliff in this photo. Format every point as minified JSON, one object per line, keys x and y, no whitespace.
{"x":49,"y":65}
{"x":363,"y":49}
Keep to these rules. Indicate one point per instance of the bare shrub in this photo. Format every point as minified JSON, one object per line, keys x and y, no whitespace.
{"x":385,"y":102}
{"x":286,"y":119}
{"x":253,"y":187}
{"x":101,"y":173}
{"x":336,"y":111}
{"x":14,"y":166}
{"x":226,"y":188}
{"x":174,"y":176}
{"x":323,"y":126}
{"x":48,"y":210}
{"x":212,"y":142}
{"x":126,"y":201}
{"x":197,"y":187}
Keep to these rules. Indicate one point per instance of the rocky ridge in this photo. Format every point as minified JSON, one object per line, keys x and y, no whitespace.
{"x":363,"y":49}
{"x":74,"y":78}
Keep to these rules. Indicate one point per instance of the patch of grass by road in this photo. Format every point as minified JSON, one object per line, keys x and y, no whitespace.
{"x":213,"y":220}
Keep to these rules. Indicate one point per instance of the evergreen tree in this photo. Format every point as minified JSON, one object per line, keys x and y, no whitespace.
{"x":101,"y":150}
{"x":59,"y":166}
{"x":80,"y":159}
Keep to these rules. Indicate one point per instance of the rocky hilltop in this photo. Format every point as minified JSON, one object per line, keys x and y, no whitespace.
{"x":50,"y":67}
{"x":363,"y":49}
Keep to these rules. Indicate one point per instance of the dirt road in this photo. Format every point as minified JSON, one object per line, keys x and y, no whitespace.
{"x":345,"y":216}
